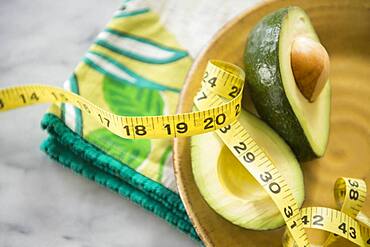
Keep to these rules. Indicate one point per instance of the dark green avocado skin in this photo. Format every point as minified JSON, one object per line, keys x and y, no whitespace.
{"x":264,"y":82}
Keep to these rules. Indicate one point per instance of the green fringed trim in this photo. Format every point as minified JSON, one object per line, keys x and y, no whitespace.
{"x":101,"y":160}
{"x":72,"y":151}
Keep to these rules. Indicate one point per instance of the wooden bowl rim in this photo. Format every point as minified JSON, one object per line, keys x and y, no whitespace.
{"x":177,"y":147}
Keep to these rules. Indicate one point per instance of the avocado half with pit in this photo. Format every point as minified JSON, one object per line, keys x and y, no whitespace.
{"x":302,"y":122}
{"x":230,"y":190}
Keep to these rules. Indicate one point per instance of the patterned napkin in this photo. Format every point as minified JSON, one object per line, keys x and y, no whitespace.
{"x":134,"y":68}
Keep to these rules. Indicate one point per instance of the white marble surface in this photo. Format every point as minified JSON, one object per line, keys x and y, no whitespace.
{"x":42,"y":204}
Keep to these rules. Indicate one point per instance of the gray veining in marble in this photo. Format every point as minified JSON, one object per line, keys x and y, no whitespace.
{"x":42,"y":204}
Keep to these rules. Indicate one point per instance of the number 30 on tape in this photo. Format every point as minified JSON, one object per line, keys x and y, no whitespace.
{"x":219,"y":103}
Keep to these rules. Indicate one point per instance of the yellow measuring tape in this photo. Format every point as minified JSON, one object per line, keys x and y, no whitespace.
{"x":350,"y":195}
{"x":219,"y":104}
{"x":229,"y":83}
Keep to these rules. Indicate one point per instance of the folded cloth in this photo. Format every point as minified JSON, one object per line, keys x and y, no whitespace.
{"x":134,"y":68}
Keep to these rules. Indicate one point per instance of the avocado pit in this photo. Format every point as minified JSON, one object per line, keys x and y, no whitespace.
{"x":310,"y":66}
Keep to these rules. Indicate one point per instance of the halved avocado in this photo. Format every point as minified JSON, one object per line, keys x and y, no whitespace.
{"x":303,"y":124}
{"x":229,"y":188}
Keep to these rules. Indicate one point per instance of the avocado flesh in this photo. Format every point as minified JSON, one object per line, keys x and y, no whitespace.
{"x":230,"y":190}
{"x":304,"y":125}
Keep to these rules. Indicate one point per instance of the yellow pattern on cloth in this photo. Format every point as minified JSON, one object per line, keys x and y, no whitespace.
{"x":134,"y":63}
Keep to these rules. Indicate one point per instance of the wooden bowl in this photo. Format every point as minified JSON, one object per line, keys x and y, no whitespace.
{"x":344,"y":29}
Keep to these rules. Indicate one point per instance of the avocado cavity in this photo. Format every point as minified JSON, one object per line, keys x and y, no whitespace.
{"x":230,"y":189}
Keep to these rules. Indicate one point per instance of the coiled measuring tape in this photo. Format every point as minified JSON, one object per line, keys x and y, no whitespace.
{"x":219,"y":104}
